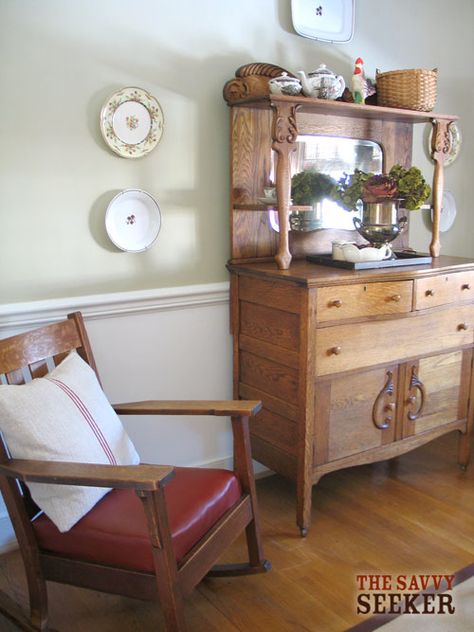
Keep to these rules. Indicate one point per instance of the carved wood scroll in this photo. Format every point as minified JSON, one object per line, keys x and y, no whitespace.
{"x":251,"y":81}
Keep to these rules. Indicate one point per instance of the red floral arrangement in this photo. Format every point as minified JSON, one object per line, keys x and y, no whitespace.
{"x":379,"y":188}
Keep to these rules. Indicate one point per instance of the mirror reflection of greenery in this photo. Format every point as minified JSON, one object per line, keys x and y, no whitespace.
{"x":309,"y":187}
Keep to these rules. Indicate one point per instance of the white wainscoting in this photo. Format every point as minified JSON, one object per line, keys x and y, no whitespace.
{"x":168,"y":343}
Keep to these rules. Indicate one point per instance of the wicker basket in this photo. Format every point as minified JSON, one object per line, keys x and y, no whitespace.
{"x":407,"y":89}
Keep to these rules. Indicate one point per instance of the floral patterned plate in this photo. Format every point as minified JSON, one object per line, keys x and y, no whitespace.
{"x":133,"y":220}
{"x":131,"y":122}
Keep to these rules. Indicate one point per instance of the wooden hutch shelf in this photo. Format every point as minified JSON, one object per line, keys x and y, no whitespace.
{"x":264,"y":129}
{"x":340,"y":108}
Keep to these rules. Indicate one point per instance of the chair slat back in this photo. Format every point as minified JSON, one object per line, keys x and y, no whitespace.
{"x":15,"y":377}
{"x":40,"y":368}
{"x":33,"y":354}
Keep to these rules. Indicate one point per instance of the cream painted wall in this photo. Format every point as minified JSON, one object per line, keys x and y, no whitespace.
{"x":59,"y":61}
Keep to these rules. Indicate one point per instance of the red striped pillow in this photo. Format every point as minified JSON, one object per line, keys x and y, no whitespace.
{"x":64,"y":416}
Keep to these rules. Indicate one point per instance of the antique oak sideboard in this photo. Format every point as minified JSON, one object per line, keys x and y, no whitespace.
{"x":352,"y":366}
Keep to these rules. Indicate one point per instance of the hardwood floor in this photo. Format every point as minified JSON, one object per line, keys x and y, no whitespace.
{"x":414,"y":514}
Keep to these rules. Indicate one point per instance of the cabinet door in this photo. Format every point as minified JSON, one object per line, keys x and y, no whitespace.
{"x":354,"y":413}
{"x":436,"y":391}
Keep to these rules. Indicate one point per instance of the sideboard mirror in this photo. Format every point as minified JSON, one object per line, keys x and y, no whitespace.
{"x":335,"y":156}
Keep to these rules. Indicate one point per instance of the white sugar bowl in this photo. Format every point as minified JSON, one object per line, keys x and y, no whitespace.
{"x":338,"y":251}
{"x":290,"y":86}
{"x":357,"y":255}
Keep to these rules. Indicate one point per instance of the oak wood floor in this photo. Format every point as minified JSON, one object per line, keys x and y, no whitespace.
{"x":414,"y":514}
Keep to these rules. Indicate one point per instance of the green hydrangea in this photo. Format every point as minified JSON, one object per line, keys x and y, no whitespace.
{"x":412,"y":187}
{"x":348,"y":190}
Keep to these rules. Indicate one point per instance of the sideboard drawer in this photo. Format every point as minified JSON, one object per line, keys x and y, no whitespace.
{"x":348,"y":347}
{"x":444,"y":289}
{"x":363,"y":299}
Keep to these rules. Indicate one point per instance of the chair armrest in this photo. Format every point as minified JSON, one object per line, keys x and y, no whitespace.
{"x":231,"y":408}
{"x":143,"y":477}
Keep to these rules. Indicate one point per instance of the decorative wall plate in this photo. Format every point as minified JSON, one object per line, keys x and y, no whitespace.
{"x":455,"y":140}
{"x":131,"y":122}
{"x":324,"y":20}
{"x":448,"y":212}
{"x":133,"y":220}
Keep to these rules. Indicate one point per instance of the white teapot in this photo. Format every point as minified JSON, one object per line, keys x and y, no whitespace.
{"x":322,"y":83}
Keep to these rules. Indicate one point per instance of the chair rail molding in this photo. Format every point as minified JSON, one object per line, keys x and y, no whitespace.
{"x":34,"y":313}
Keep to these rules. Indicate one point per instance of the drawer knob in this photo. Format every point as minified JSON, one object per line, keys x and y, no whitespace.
{"x":396,"y":298}
{"x":334,"y":351}
{"x":429,"y":292}
{"x":336,"y":303}
{"x":462,"y":327}
{"x":465,"y":286}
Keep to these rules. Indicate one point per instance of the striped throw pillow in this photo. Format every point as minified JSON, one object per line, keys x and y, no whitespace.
{"x":64,"y":416}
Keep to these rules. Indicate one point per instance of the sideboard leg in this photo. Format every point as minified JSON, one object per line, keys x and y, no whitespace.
{"x":464,"y":450}
{"x":303,"y":506}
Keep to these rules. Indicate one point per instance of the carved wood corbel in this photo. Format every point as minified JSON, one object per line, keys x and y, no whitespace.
{"x":284,"y":134}
{"x":440,"y":148}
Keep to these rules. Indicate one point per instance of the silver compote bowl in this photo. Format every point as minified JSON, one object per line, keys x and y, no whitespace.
{"x":380,"y":223}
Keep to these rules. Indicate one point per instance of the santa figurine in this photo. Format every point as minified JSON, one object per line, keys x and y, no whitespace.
{"x":361,"y":87}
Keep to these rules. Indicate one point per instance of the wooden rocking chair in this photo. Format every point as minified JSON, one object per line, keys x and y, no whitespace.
{"x":136,"y":540}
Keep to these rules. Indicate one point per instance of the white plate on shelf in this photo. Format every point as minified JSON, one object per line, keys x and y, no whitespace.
{"x":131,"y":122}
{"x":448,"y":212}
{"x":324,"y":20}
{"x":133,"y":220}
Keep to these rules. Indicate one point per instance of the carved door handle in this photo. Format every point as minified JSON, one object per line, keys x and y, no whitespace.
{"x":387,"y":409}
{"x":417,"y":385}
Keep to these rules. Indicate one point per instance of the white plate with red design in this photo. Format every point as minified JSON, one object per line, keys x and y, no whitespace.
{"x":133,"y":220}
{"x":324,"y":20}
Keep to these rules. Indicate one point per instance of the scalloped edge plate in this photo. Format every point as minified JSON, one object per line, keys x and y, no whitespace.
{"x":455,"y":141}
{"x":133,"y":220}
{"x":131,"y":122}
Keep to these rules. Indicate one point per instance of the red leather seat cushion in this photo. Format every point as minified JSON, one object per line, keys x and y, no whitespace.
{"x":115,"y":531}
